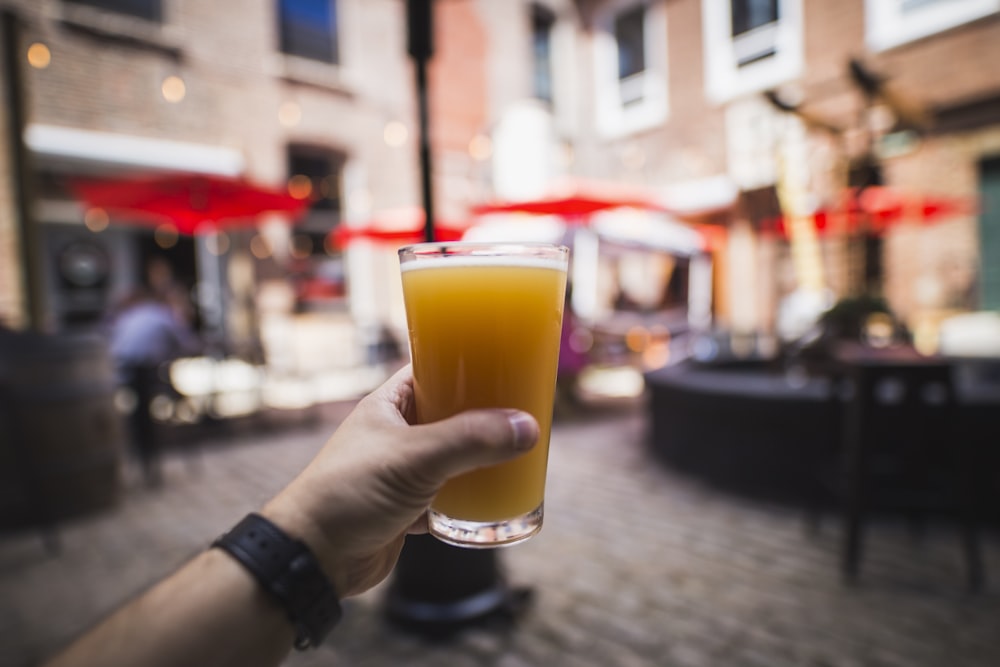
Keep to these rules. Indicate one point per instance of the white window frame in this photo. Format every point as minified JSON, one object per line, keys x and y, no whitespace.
{"x":613,"y":117}
{"x":888,"y":26}
{"x":725,"y":79}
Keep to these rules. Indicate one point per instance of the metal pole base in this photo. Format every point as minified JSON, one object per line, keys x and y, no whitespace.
{"x":438,"y":589}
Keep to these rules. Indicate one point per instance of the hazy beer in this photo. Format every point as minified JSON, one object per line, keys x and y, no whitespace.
{"x":484,"y":323}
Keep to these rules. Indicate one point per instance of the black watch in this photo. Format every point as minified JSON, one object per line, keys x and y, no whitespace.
{"x":287,"y":569}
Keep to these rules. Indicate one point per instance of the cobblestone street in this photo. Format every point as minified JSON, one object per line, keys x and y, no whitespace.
{"x":636,"y":565}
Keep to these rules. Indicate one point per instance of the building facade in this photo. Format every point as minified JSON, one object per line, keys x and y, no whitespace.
{"x":710,"y":104}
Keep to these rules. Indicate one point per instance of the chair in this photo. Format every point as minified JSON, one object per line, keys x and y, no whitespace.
{"x":23,"y":488}
{"x":903,"y":449}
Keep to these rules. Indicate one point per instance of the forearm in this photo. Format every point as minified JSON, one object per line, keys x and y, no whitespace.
{"x":210,"y":612}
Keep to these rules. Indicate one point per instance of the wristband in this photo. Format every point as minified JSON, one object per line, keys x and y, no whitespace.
{"x":287,"y":569}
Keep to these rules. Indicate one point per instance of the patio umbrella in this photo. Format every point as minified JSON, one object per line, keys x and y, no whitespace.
{"x":576,"y":202}
{"x":586,"y":210}
{"x":875,"y":209}
{"x":396,"y":227}
{"x":191,"y":204}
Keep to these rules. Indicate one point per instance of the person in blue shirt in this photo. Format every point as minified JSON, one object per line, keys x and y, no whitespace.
{"x":145,"y":335}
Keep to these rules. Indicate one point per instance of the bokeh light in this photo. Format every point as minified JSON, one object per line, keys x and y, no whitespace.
{"x":395,"y":133}
{"x":302,"y":246}
{"x":290,"y":114}
{"x":39,"y":56}
{"x":173,"y":89}
{"x":300,"y":186}
{"x":96,"y":219}
{"x":166,"y":235}
{"x":217,"y":243}
{"x":260,"y":247}
{"x":481,"y":147}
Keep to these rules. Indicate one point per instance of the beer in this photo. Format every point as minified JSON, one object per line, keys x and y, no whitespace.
{"x":484,"y":333}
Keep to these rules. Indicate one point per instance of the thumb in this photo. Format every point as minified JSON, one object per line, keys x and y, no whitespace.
{"x":473,"y":439}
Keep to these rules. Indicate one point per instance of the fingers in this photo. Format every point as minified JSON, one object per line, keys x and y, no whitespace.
{"x":473,"y":439}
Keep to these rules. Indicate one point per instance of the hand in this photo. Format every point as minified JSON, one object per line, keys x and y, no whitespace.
{"x":374,"y":479}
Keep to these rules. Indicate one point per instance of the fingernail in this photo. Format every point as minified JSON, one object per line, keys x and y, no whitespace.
{"x":525,"y":429}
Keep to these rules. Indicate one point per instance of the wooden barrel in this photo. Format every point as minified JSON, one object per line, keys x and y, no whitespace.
{"x":61,"y":437}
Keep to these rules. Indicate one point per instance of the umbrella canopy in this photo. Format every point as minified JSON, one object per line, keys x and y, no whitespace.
{"x":193,"y":203}
{"x":576,"y":202}
{"x":396,"y":227}
{"x":875,"y":209}
{"x":609,"y":209}
{"x":571,"y":207}
{"x":577,"y":199}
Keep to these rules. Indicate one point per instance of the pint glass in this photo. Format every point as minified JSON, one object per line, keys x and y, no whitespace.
{"x":484,"y":322}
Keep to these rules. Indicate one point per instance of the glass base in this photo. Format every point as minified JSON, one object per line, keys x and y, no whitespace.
{"x":484,"y":534}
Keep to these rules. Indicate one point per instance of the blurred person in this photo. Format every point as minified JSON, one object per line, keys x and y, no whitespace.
{"x":145,"y":335}
{"x":346,"y":515}
{"x":164,"y":285}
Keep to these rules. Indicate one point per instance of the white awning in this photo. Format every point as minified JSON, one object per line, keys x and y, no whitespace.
{"x":122,"y":150}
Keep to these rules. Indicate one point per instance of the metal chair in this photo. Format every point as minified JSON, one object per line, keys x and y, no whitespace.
{"x":904,"y":450}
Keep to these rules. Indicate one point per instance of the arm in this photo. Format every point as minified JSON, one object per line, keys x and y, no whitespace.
{"x":353,"y":505}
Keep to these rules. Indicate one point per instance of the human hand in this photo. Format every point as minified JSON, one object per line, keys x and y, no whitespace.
{"x":374,"y":479}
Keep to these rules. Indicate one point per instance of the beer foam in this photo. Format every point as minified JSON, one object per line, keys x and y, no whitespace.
{"x":471,"y":261}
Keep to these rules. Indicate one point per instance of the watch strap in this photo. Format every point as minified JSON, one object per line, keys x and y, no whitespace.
{"x":289,"y":571}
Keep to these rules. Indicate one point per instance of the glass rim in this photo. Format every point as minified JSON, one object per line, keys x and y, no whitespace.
{"x":481,"y":248}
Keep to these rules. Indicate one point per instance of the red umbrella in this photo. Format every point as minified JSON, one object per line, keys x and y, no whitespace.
{"x":572,"y":207}
{"x":576,"y":202}
{"x":193,"y":203}
{"x":397,"y":226}
{"x":876,"y":208}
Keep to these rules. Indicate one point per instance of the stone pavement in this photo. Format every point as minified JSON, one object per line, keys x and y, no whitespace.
{"x":635,"y":566}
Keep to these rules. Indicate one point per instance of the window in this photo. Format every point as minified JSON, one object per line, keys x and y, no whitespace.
{"x":890,"y":23}
{"x":308,"y":29}
{"x":750,"y":45}
{"x":315,"y":173}
{"x":631,"y":41}
{"x":630,"y":66}
{"x":748,"y":15}
{"x":150,"y":10}
{"x":542,"y":20}
{"x":754,"y":29}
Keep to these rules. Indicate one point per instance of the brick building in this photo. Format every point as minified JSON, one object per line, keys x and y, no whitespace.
{"x":666,"y":95}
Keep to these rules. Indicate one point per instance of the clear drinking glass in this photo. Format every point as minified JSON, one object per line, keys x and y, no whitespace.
{"x":484,"y":322}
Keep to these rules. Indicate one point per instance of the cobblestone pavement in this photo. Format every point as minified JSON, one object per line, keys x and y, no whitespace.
{"x":635,"y":566}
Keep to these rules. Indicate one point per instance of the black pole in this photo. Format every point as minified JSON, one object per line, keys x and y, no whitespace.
{"x":438,"y":589}
{"x":420,"y":44}
{"x":21,"y":170}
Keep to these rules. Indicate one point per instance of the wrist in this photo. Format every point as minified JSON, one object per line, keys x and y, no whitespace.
{"x":285,"y":568}
{"x":293,"y":517}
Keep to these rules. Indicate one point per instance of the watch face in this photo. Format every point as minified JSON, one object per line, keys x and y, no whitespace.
{"x":83,"y":264}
